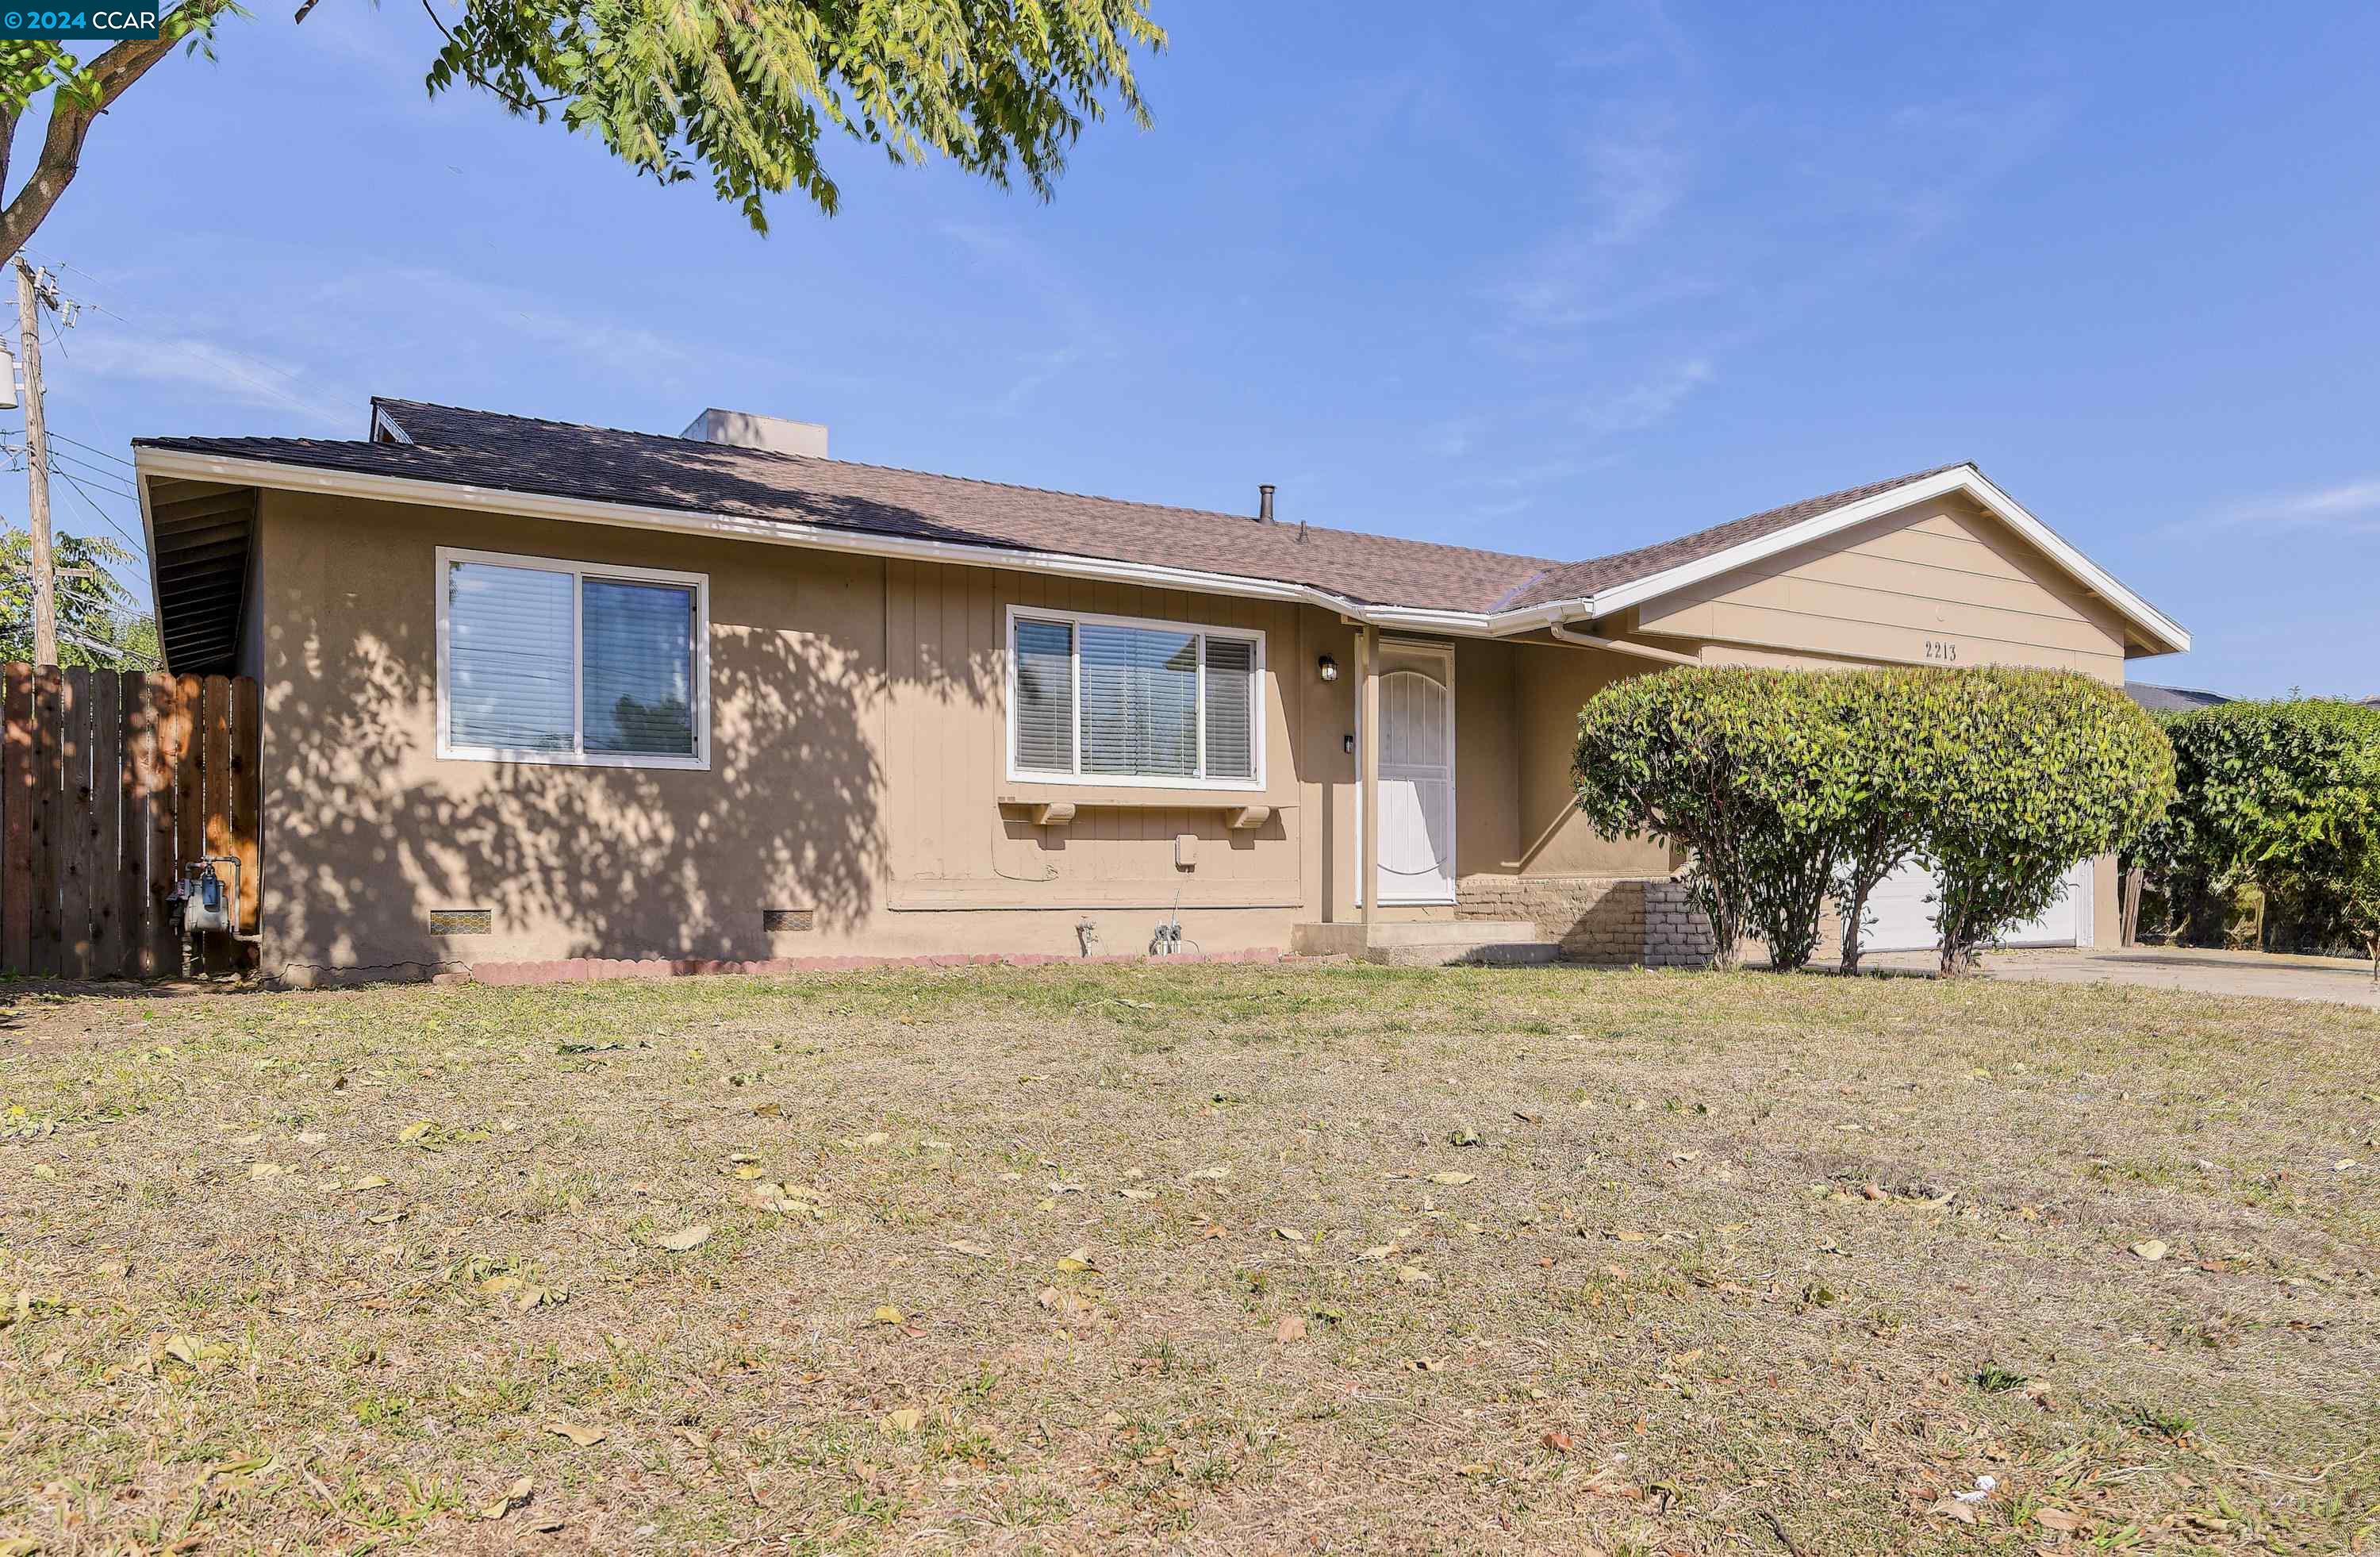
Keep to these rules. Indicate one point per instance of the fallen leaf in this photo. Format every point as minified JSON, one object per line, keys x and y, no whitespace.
{"x":1077,"y":1262}
{"x":973,"y":1251}
{"x":685,"y":1239}
{"x":1559,"y":1441}
{"x":1291,"y":1328}
{"x":1289,"y":1234}
{"x":2151,"y":1249}
{"x":1414,"y":1275}
{"x":417,"y":1129}
{"x":1951,"y":1508}
{"x":2057,"y":1518}
{"x":515,"y":1497}
{"x":1450,"y":1178}
{"x":582,"y":1436}
{"x":907,"y":1419}
{"x":1378,"y":1251}
{"x":887,"y":1314}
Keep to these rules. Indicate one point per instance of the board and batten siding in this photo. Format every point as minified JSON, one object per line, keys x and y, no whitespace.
{"x":961,"y":834}
{"x":1883,"y":592}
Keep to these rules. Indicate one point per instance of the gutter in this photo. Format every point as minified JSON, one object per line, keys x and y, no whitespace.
{"x":1596,"y":641}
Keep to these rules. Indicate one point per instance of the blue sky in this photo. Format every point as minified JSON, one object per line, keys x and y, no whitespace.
{"x":1549,"y":278}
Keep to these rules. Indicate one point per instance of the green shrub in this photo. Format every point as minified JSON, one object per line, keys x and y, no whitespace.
{"x":1746,"y":768}
{"x":1892,"y":728}
{"x":2277,"y":796}
{"x":2030,"y":772}
{"x":1791,"y":787}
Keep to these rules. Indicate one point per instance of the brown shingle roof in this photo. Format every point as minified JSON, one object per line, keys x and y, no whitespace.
{"x":563,"y":459}
{"x":496,"y":451}
{"x":1572,"y":580}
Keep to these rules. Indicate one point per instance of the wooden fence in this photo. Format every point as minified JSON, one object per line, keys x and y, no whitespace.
{"x":108,"y":782}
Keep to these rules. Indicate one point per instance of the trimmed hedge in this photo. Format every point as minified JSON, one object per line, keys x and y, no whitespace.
{"x":2285,"y":796}
{"x":1791,"y":787}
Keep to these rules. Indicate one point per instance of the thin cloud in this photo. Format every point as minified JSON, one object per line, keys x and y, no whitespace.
{"x":225,"y":372}
{"x":2352,"y":508}
{"x":1649,"y":400}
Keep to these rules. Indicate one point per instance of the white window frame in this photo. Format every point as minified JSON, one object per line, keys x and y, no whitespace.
{"x":579,"y":572}
{"x":1017,"y":774}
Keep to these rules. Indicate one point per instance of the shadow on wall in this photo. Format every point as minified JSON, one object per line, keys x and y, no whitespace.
{"x":368,"y":832}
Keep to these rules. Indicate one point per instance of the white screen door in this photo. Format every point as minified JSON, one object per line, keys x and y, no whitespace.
{"x":1416,"y":779}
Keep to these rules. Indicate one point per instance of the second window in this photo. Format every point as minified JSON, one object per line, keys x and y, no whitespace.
{"x":1135,"y":701}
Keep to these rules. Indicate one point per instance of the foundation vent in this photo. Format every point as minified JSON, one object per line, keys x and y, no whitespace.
{"x":462,"y":921}
{"x":784,"y":921}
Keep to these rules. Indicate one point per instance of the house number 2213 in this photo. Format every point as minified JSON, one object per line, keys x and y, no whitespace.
{"x":1938,"y":650}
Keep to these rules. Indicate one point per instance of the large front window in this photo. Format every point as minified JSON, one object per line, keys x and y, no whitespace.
{"x":545,"y":661}
{"x":1124,"y":702}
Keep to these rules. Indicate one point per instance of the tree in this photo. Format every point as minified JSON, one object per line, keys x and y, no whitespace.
{"x":1891,"y":736}
{"x":741,"y":90}
{"x":2030,"y":772}
{"x":98,"y":623}
{"x":1744,"y":768}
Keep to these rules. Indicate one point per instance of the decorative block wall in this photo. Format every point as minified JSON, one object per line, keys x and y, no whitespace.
{"x":1676,"y":933}
{"x":1598,"y":919}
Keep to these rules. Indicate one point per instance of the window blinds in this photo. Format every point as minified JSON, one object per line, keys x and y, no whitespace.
{"x":1122,"y":700}
{"x":1044,"y":697}
{"x":508,"y":658}
{"x":1231,"y":707}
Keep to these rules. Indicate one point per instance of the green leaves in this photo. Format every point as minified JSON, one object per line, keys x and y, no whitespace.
{"x":2286,"y":795}
{"x":742,"y":92}
{"x":1791,"y":787}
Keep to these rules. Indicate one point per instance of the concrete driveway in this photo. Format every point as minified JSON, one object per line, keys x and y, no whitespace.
{"x":2188,"y":969}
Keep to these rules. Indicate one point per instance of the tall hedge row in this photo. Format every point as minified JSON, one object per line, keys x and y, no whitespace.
{"x":1790,"y":788}
{"x":2283,"y":794}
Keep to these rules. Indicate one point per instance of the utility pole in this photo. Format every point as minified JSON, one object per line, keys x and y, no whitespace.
{"x":30,"y":287}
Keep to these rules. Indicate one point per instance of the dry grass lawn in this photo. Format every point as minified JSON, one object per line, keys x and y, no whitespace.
{"x":1214,"y":1260}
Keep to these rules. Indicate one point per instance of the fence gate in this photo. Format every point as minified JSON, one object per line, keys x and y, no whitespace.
{"x":108,"y":781}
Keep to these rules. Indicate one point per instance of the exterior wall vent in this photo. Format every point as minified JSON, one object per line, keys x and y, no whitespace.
{"x":462,"y":921}
{"x":785,"y":921}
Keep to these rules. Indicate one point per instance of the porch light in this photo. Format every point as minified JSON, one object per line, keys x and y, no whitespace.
{"x":1329,"y":668}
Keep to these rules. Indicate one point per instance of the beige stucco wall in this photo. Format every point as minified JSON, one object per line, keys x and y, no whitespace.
{"x":858,"y":746}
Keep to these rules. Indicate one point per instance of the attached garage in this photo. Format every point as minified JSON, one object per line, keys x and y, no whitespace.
{"x":1900,"y":913}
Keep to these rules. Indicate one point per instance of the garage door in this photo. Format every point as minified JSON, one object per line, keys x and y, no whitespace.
{"x":1901,"y":914}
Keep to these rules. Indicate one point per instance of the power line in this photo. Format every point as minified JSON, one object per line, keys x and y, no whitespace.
{"x":139,"y":549}
{"x":92,"y":448}
{"x":97,"y":474}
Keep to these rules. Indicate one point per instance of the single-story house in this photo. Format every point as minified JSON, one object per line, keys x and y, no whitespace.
{"x":536,"y":691}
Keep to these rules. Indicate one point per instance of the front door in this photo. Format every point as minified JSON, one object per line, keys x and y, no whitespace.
{"x":1416,"y":776}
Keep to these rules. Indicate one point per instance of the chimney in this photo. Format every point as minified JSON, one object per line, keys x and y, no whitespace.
{"x":1264,"y":503}
{"x":744,"y":429}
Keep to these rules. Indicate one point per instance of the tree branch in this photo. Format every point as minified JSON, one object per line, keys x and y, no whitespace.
{"x":74,"y":106}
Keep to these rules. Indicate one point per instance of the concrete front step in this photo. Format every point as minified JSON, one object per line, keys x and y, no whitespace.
{"x":1427,"y":942}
